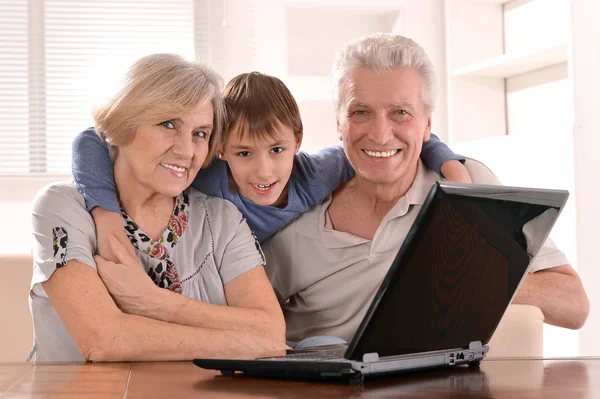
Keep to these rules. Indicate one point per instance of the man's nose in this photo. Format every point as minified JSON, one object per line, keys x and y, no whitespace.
{"x":382,"y":130}
{"x":183,"y":145}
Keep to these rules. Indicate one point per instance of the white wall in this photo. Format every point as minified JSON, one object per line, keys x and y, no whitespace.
{"x":539,"y":111}
{"x":586,"y":138}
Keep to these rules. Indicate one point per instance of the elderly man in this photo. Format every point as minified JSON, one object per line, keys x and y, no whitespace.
{"x":327,"y":265}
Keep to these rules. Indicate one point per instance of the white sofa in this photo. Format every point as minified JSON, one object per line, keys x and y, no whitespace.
{"x":519,"y":333}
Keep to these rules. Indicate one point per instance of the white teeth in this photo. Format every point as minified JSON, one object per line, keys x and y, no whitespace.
{"x":263,"y":187}
{"x":378,"y":154}
{"x":173,"y":167}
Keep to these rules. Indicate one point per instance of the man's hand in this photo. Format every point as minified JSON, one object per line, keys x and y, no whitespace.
{"x":131,"y":288}
{"x":107,"y":223}
{"x":455,"y":171}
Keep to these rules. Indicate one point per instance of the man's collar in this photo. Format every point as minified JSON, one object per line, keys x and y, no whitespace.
{"x":423,"y":181}
{"x":315,"y":222}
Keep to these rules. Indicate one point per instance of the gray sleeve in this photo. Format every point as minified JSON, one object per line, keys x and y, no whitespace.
{"x":549,"y":256}
{"x":237,"y":250}
{"x":62,"y":229}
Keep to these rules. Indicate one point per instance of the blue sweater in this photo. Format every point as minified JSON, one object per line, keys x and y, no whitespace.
{"x":314,"y":177}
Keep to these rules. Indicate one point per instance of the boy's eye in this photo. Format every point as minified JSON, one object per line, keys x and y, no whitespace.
{"x":277,"y":150}
{"x":168,"y":124}
{"x":243,"y":154}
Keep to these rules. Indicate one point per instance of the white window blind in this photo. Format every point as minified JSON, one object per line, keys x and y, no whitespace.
{"x":76,"y":49}
{"x":14,"y":103}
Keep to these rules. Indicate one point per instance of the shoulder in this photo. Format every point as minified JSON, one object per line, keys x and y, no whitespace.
{"x":59,"y":209}
{"x":331,"y":154}
{"x":306,"y":226}
{"x":480,"y":173}
{"x":213,"y":207}
{"x":58,"y":197}
{"x":216,"y":166}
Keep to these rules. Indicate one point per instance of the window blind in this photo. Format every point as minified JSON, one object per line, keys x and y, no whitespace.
{"x":14,"y":97}
{"x":60,"y":57}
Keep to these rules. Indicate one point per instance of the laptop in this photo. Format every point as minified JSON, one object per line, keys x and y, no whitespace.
{"x":443,"y":296}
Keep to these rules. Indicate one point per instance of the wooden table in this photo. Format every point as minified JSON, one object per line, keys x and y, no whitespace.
{"x":497,"y":378}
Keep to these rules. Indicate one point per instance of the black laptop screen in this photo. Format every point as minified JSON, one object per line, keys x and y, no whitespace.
{"x":454,"y":276}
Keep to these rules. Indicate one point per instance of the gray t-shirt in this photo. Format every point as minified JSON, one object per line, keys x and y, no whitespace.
{"x":206,"y":244}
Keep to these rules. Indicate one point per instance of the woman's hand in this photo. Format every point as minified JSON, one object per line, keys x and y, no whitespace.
{"x":131,"y":288}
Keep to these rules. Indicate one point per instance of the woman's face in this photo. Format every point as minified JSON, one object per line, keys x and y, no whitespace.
{"x":165,"y":157}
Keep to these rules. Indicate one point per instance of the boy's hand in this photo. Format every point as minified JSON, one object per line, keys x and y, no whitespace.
{"x":108,"y":222}
{"x":456,"y":172}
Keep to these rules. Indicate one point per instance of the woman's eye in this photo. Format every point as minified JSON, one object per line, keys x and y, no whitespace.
{"x":243,"y":154}
{"x":277,"y":150}
{"x":168,"y":124}
{"x":201,"y":134}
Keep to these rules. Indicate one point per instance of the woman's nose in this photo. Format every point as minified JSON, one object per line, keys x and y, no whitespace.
{"x":183,"y":145}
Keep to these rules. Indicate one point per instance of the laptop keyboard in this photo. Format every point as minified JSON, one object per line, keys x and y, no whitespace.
{"x":311,"y":355}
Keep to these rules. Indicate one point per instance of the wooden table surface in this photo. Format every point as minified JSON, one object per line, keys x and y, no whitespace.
{"x":497,"y":378}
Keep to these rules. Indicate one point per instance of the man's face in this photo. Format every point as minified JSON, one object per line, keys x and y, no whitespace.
{"x":383,"y":123}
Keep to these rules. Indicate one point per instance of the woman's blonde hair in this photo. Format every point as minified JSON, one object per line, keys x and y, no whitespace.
{"x":157,"y":88}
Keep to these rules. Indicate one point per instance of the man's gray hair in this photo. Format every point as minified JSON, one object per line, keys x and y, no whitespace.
{"x":383,"y":51}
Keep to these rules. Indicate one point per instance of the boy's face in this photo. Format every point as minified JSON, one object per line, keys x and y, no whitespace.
{"x":261,"y":165}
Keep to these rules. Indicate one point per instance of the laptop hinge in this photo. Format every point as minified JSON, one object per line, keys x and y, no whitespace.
{"x":475,"y":345}
{"x":370,"y":357}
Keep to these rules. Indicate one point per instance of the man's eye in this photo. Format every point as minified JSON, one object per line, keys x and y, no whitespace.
{"x":360,"y":112}
{"x":401,"y":112}
{"x":168,"y":124}
{"x":277,"y":150}
{"x":243,"y":154}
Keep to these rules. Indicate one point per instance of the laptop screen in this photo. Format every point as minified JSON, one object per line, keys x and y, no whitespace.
{"x":455,"y":274}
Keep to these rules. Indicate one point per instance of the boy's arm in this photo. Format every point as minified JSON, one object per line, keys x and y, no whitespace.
{"x":93,"y":176}
{"x":317,"y":175}
{"x":437,"y":156}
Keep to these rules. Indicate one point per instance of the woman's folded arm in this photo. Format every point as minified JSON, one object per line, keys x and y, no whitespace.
{"x":103,"y":333}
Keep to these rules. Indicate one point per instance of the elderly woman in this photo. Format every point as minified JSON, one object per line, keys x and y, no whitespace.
{"x":197,"y":285}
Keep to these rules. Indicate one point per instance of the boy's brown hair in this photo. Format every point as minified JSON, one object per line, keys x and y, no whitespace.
{"x":255,"y":103}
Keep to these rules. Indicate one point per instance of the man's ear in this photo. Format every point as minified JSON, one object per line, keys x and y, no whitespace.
{"x":427,"y":134}
{"x":339,"y":128}
{"x":298,"y":141}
